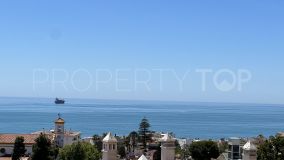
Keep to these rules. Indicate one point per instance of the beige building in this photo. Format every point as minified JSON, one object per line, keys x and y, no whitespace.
{"x":109,"y":147}
{"x":167,"y":147}
{"x":249,"y":151}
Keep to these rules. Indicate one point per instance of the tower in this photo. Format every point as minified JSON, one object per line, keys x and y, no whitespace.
{"x":109,"y":147}
{"x":249,"y":151}
{"x":167,"y":147}
{"x":59,"y":131}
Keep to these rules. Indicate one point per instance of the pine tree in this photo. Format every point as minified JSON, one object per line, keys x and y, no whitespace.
{"x":42,"y":150}
{"x":144,"y":132}
{"x":19,"y":148}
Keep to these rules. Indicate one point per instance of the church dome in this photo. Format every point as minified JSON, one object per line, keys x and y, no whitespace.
{"x":60,"y":121}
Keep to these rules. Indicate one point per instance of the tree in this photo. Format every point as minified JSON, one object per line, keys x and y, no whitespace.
{"x":121,"y":150}
{"x":272,"y":149}
{"x":204,"y":150}
{"x":98,"y":142}
{"x":132,"y":141}
{"x":79,"y":151}
{"x":43,"y":150}
{"x":19,"y":148}
{"x":144,"y":132}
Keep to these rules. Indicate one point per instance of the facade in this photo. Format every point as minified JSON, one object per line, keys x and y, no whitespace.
{"x":59,"y":132}
{"x":59,"y":136}
{"x":7,"y":142}
{"x":109,"y":150}
{"x":63,"y":137}
{"x":235,"y":149}
{"x":249,"y":151}
{"x":184,"y":142}
{"x":167,"y":147}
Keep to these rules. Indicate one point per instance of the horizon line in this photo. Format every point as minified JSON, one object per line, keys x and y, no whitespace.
{"x":147,"y":100}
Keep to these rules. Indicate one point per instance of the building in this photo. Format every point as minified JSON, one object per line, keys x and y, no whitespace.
{"x":7,"y":142}
{"x":249,"y":151}
{"x":59,"y":136}
{"x":59,"y":131}
{"x":167,"y":147}
{"x":235,"y":149}
{"x":62,"y":137}
{"x":184,"y":142}
{"x":109,"y":147}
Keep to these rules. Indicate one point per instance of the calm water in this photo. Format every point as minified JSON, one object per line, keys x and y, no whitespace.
{"x":202,"y":120}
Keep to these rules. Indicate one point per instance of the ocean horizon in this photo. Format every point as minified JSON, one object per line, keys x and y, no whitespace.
{"x":185,"y":119}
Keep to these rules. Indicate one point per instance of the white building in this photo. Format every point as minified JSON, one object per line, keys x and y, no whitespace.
{"x":167,"y":147}
{"x":184,"y":142}
{"x":61,"y":137}
{"x":109,"y":147}
{"x":249,"y":151}
{"x":7,"y":142}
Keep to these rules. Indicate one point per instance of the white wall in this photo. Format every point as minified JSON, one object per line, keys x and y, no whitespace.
{"x":9,"y":148}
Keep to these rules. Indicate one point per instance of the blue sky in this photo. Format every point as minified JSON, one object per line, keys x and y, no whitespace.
{"x":133,"y":34}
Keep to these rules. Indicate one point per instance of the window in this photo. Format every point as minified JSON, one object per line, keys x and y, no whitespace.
{"x":236,"y":148}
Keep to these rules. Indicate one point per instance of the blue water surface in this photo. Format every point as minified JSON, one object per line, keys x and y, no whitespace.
{"x":192,"y":120}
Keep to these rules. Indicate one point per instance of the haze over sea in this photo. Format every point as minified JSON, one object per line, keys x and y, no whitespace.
{"x":185,"y":119}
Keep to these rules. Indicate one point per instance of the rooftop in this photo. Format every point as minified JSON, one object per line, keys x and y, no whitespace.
{"x":59,"y":120}
{"x":142,"y":157}
{"x":249,"y":146}
{"x":10,"y":138}
{"x":109,"y":138}
{"x":167,"y":138}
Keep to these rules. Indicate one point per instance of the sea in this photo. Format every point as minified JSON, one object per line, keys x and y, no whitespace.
{"x":184,"y":119}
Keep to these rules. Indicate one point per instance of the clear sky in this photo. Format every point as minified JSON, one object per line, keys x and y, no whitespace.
{"x":73,"y":41}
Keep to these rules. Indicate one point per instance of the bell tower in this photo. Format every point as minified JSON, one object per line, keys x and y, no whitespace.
{"x":109,"y":147}
{"x":249,"y":151}
{"x":59,"y":131}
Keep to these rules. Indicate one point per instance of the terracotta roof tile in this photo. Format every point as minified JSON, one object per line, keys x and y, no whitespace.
{"x":10,"y":138}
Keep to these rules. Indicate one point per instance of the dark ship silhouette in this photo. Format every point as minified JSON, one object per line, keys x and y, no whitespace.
{"x":59,"y":101}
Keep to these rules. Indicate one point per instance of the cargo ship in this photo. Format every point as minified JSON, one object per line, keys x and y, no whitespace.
{"x":59,"y":101}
